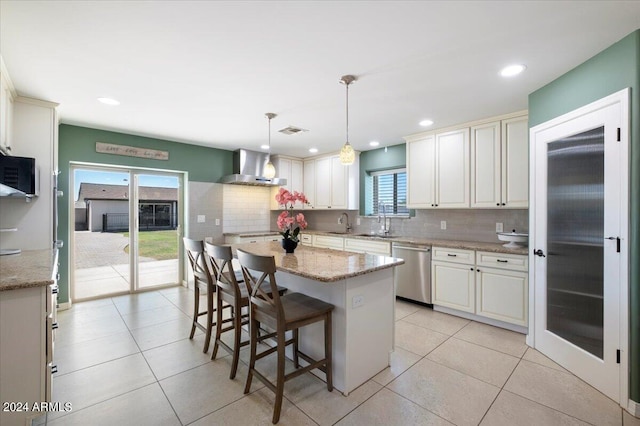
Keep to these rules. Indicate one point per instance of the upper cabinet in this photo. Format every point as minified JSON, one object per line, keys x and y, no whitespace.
{"x":481,"y":165}
{"x":438,"y":170}
{"x":290,"y":169}
{"x":330,"y":185}
{"x":6,"y":113}
{"x":500,"y":164}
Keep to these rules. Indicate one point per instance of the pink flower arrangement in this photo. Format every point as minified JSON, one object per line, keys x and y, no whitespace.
{"x":289,"y":223}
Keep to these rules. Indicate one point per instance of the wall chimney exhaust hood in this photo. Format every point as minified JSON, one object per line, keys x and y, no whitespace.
{"x":248,"y":169}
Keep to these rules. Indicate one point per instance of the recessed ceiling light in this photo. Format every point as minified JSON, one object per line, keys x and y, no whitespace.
{"x":313,"y":150}
{"x":426,"y":123}
{"x":512,"y":70}
{"x":374,"y":143}
{"x":108,"y":101}
{"x":264,"y":146}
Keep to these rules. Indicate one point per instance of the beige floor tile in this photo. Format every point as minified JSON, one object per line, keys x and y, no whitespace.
{"x":89,"y":305}
{"x":256,"y":409}
{"x":387,"y":408}
{"x":76,"y":332}
{"x":460,"y":399}
{"x":100,"y":272}
{"x":95,"y":287}
{"x":499,"y":339}
{"x":405,"y":308}
{"x":177,"y":357}
{"x":401,"y":360}
{"x":310,"y":394}
{"x":205,"y":389}
{"x":145,"y":406}
{"x":161,"y":334}
{"x":80,"y":314}
{"x":101,"y":382}
{"x":510,"y":409}
{"x":416,"y":339}
{"x":629,"y":420}
{"x":477,"y":361}
{"x":437,"y":321}
{"x":563,"y":392}
{"x":535,"y":356}
{"x":93,"y":352}
{"x":153,"y":316}
{"x":130,"y":303}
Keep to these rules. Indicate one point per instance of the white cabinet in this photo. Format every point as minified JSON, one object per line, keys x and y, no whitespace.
{"x":486,"y":284}
{"x":6,"y":112}
{"x":438,"y":170}
{"x":358,"y":245}
{"x":290,"y":169}
{"x":330,"y":185}
{"x":306,"y":239}
{"x":515,"y":162}
{"x":242,"y":239}
{"x":500,"y":164}
{"x":453,"y":278}
{"x":327,"y":241}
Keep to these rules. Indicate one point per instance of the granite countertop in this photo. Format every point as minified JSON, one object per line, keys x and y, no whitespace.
{"x":30,"y":268}
{"x":320,"y":264}
{"x":468,"y":245}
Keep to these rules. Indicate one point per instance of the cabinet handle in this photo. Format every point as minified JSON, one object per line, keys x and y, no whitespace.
{"x":471,"y":269}
{"x":497,"y":204}
{"x":504,"y":204}
{"x":54,"y":326}
{"x":452,"y":255}
{"x":436,"y":205}
{"x":54,"y":291}
{"x":502,"y":261}
{"x":54,"y":369}
{"x":478,"y":270}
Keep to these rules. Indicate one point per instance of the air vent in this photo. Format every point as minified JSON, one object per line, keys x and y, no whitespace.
{"x":292,"y":130}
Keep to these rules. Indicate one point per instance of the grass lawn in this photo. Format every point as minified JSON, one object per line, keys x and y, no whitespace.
{"x":159,"y":245}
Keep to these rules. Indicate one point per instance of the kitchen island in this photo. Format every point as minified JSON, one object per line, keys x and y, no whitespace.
{"x":361,"y":287}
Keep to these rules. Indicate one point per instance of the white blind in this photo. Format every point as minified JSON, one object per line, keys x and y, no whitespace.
{"x":390,"y":187}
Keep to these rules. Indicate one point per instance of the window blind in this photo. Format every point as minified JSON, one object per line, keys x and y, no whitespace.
{"x":390,"y":187}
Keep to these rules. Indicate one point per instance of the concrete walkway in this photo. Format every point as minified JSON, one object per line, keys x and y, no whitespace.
{"x":101,"y":249}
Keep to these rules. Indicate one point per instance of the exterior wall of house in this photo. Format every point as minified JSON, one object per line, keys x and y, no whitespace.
{"x":612,"y":70}
{"x":97,"y":208}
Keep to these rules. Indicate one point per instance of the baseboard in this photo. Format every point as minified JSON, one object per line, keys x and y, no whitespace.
{"x":478,"y":318}
{"x":64,"y":306}
{"x":634,"y":408}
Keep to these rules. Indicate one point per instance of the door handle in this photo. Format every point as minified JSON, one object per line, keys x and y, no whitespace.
{"x":617,"y":242}
{"x":539,"y":253}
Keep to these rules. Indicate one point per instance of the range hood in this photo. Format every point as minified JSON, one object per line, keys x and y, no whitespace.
{"x":248,"y":169}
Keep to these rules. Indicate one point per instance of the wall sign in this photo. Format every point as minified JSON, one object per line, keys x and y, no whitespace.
{"x":131,"y":151}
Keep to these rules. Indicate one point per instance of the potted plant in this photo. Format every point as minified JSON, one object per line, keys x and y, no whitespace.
{"x":288,"y":222}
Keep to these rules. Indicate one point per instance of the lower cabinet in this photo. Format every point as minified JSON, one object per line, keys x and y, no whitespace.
{"x":367,"y":246}
{"x":240,"y":239}
{"x":486,"y":284}
{"x":327,"y":241}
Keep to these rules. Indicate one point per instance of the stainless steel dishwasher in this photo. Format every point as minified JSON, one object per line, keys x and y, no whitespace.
{"x":413,"y":279}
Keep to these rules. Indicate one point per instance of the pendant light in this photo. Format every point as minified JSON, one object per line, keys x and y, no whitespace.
{"x":269,"y":168}
{"x":347,"y":154}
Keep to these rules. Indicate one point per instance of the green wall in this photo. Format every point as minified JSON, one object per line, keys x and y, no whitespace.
{"x":378,"y":159}
{"x":612,"y":70}
{"x":79,"y":144}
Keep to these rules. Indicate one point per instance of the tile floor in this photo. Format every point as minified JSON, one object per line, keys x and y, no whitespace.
{"x":127,"y":360}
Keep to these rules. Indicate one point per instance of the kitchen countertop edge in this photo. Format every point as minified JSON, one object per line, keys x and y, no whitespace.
{"x":30,"y":268}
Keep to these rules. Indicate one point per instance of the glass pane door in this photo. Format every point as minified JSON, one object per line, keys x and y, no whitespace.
{"x":158,"y":228}
{"x":575,"y":237}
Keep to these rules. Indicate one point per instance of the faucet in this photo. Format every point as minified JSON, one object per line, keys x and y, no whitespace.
{"x":384,"y":229}
{"x":341,"y":221}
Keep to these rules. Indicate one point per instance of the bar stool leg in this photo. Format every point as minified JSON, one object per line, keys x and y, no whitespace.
{"x":327,"y":351}
{"x":210,"y":311}
{"x":218,"y":327}
{"x":280,"y":376}
{"x":237,"y":332}
{"x":296,"y":360}
{"x":196,"y":309}
{"x":253,"y":344}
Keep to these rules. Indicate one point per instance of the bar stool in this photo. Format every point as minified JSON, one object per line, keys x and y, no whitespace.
{"x":282,"y":314}
{"x":230,"y":292}
{"x":202,"y":275}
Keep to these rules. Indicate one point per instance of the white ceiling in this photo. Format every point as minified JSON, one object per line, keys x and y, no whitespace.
{"x":206,"y":72}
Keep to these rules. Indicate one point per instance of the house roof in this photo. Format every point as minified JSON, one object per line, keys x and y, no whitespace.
{"x":97,"y":191}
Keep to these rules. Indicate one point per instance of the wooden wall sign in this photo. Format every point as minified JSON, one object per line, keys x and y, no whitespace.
{"x":131,"y":151}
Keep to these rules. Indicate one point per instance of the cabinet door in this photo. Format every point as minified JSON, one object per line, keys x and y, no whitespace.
{"x":452,"y":286}
{"x":515,"y":162}
{"x":283,"y":170}
{"x":421,"y":163}
{"x":309,"y":182}
{"x":323,"y":183}
{"x":297,"y":179}
{"x":339,"y":184}
{"x":452,"y":177}
{"x":502,"y":295}
{"x":485,"y":165}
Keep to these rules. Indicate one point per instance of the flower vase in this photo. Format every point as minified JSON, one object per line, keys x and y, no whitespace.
{"x":289,"y":245}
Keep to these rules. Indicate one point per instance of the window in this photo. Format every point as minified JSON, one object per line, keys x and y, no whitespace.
{"x":390,"y":188}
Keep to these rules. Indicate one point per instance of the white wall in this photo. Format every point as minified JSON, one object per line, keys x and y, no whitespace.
{"x":246,"y":208}
{"x":100,"y":207}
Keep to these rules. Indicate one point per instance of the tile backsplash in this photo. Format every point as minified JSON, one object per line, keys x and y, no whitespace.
{"x":246,"y":208}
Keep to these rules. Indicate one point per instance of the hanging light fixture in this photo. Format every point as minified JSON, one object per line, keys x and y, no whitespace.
{"x":269,"y":168}
{"x":347,"y":154}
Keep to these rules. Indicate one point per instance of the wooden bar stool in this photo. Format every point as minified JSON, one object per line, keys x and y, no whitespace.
{"x":202,"y":276}
{"x":230,"y":292}
{"x":282,"y":314}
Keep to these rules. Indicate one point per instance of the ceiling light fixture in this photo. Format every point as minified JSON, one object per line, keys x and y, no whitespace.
{"x":426,"y":123}
{"x":512,"y":70}
{"x":374,"y":143}
{"x":313,"y":150}
{"x":108,"y":101}
{"x":347,"y":154}
{"x":264,"y":146}
{"x":269,"y":168}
